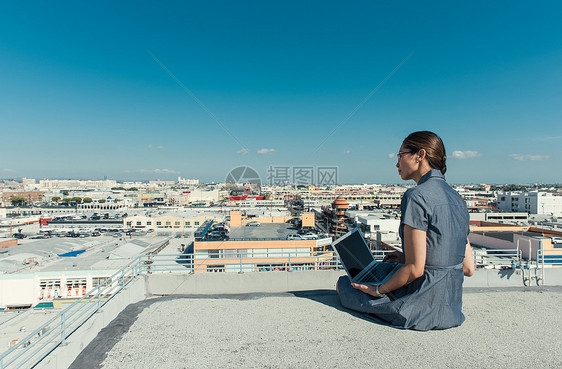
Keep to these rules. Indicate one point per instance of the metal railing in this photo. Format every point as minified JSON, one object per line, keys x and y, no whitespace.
{"x":288,"y":261}
{"x":260,"y":239}
{"x":30,"y":350}
{"x":497,"y":258}
{"x":242,"y":261}
{"x":549,"y":256}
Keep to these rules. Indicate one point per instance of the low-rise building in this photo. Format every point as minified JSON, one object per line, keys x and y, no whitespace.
{"x":377,"y":226}
{"x":261,"y":248}
{"x":165,"y":222}
{"x":76,"y":184}
{"x":29,"y":196}
{"x":47,"y":273}
{"x":534,"y":202}
{"x":500,"y":217}
{"x":529,"y":242}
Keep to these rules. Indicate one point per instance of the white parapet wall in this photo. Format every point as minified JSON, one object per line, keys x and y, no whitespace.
{"x":232,"y":283}
{"x":272,"y":282}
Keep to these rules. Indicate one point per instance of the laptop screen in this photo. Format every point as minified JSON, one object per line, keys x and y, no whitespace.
{"x":354,"y":253}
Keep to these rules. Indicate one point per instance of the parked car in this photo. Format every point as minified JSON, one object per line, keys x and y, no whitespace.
{"x":219,"y":227}
{"x":556,"y":240}
{"x":294,"y":237}
{"x":216,"y":233}
{"x":309,"y":236}
{"x":20,"y":236}
{"x":217,"y":238}
{"x":254,"y":223}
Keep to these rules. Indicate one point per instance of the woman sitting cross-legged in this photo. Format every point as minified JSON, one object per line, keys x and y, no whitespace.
{"x":426,"y":292}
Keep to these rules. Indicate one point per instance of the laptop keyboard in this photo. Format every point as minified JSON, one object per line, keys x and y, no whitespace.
{"x":378,"y":273}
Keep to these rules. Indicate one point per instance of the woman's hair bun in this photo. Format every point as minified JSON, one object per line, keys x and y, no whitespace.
{"x":433,"y":146}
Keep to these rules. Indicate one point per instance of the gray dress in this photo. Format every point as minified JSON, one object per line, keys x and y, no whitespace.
{"x":434,"y":300}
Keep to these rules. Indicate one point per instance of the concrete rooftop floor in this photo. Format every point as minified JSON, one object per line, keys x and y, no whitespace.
{"x":506,"y":327}
{"x":265,"y":230}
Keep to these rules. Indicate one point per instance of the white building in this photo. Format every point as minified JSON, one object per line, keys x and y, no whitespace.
{"x":373,"y":224}
{"x":498,"y":217}
{"x":530,"y":202}
{"x":183,"y":181}
{"x":29,"y":183}
{"x":71,"y":183}
{"x":160,"y":183}
{"x":43,"y":272}
{"x":203,"y":195}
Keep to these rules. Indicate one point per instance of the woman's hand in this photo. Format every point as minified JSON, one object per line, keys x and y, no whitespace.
{"x":394,"y":257}
{"x":468,"y":263}
{"x":369,"y":289}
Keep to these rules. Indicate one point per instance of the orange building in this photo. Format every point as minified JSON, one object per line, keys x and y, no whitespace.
{"x":271,"y":250}
{"x":254,"y":255}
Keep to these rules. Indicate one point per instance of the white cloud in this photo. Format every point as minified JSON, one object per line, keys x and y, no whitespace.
{"x":150,"y":146}
{"x":391,"y":155}
{"x":524,"y":157}
{"x":265,"y":151}
{"x":8,"y":170}
{"x":166,"y":171}
{"x":346,"y":152}
{"x":457,"y":154}
{"x":160,"y":147}
{"x":243,"y":151}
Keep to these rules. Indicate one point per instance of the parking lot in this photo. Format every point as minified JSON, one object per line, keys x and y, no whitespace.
{"x":265,"y":230}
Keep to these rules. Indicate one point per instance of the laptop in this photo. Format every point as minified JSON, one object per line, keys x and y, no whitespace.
{"x":359,"y":262}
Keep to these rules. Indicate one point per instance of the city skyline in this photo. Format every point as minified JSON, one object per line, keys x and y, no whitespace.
{"x":194,"y":90}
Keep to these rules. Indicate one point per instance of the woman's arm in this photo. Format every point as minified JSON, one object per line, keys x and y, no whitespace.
{"x":468,"y":263}
{"x":415,"y":251}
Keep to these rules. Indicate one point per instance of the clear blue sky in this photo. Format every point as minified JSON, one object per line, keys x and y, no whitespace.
{"x":82,"y":97}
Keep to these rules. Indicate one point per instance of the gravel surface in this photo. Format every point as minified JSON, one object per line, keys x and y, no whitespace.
{"x":516,"y":328}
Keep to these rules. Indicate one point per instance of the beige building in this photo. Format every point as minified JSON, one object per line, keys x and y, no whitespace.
{"x":165,"y":222}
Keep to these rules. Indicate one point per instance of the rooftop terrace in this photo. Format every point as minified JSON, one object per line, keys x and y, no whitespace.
{"x":294,"y":319}
{"x":508,"y":327}
{"x":265,"y":230}
{"x":146,"y":316}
